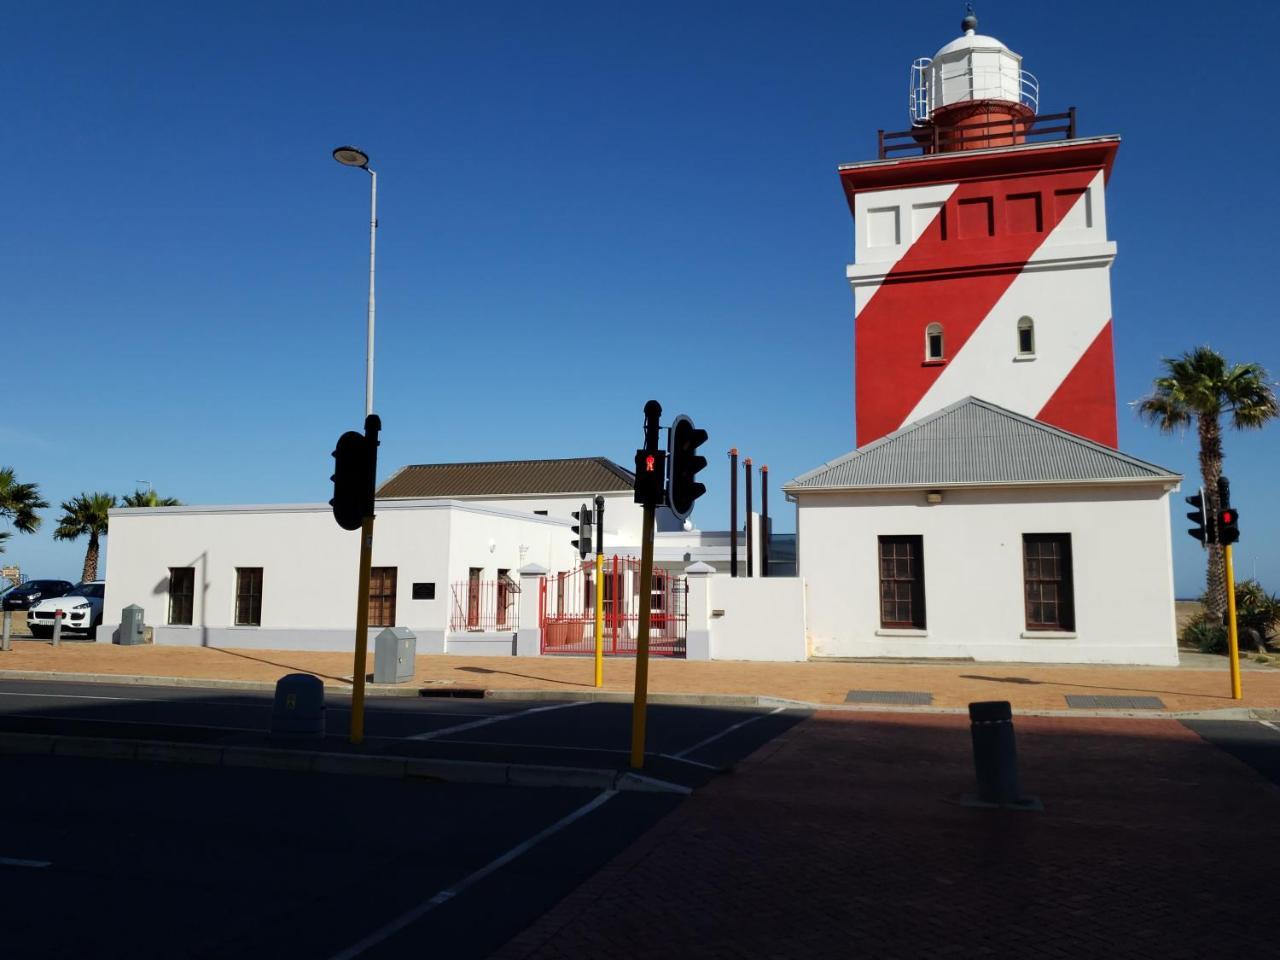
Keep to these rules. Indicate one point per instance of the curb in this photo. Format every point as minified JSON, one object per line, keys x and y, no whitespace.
{"x":360,"y":765}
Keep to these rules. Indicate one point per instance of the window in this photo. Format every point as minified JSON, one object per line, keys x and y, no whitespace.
{"x":382,"y":596}
{"x":182,"y":593}
{"x":902,"y":582}
{"x":933,"y":342}
{"x":1046,"y":564}
{"x":1026,"y":337}
{"x":504,"y":595}
{"x":248,"y":596}
{"x":473,"y":596}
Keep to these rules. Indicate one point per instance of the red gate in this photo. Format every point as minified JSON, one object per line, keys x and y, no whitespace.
{"x":567,"y":600}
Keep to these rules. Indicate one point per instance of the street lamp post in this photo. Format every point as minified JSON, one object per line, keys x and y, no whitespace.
{"x":354,"y":157}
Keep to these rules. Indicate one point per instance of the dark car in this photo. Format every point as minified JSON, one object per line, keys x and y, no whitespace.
{"x":25,"y":594}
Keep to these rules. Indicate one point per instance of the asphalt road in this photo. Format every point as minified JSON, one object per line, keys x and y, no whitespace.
{"x":1254,"y":742}
{"x":109,"y":858}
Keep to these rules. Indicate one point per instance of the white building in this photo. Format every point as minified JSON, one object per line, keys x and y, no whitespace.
{"x":979,"y":532}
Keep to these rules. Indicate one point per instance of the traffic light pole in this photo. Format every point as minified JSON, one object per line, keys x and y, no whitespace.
{"x":599,"y":591}
{"x":641,"y":701}
{"x":1232,"y":637}
{"x":362,"y":631}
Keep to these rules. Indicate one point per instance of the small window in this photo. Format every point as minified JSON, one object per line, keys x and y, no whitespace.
{"x":382,"y":596}
{"x":505,"y":599}
{"x":1026,"y":337}
{"x":902,"y":582}
{"x":1047,"y":581}
{"x":182,"y":593}
{"x":933,"y":342}
{"x":248,"y":596}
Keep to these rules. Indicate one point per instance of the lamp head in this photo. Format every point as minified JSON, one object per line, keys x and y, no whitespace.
{"x":351,"y":157}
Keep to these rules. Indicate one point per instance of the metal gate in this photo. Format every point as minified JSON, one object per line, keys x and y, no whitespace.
{"x":566,"y":607}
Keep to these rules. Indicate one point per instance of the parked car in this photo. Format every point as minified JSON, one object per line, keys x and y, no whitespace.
{"x":25,"y":595}
{"x":81,"y":608}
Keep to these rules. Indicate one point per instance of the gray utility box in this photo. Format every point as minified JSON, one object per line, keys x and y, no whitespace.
{"x":394,"y":651}
{"x":298,"y":710}
{"x":132,"y":628}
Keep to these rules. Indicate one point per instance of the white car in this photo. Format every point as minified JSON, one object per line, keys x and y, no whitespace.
{"x":81,"y":610}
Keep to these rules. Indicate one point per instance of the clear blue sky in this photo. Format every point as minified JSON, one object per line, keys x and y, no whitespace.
{"x":582,"y":206}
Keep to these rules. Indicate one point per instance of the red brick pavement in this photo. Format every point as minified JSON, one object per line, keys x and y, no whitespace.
{"x":845,"y":839}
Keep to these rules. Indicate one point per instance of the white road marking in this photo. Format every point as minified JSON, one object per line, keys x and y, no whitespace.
{"x":1268,"y":723}
{"x":711,"y":739}
{"x":457,"y":728}
{"x":444,"y":896}
{"x":15,"y":862}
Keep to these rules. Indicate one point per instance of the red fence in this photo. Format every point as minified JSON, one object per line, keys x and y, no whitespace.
{"x":485,"y":605}
{"x":566,"y":607}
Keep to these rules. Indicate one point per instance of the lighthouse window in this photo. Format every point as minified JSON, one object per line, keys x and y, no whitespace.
{"x":933,"y":342}
{"x":1026,"y":337}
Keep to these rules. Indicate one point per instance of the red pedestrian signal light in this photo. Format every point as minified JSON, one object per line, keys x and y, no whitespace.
{"x":648,"y":464}
{"x":1228,"y":526}
{"x":651,"y":477}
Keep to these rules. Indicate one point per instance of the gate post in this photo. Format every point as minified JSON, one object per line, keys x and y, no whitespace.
{"x":697,"y":645}
{"x":529,"y":636}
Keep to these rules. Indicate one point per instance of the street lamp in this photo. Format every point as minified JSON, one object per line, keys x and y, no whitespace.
{"x":355,"y":157}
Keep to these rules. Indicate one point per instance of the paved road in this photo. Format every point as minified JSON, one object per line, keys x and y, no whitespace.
{"x":1254,"y":742}
{"x":168,"y":860}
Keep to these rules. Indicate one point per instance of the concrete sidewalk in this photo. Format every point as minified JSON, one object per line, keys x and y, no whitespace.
{"x":1029,"y":687}
{"x":845,"y":837}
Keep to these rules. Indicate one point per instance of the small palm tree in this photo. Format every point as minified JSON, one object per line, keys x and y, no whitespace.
{"x":1202,"y":386}
{"x":148,"y":498}
{"x":86,"y":514}
{"x":18,"y":504}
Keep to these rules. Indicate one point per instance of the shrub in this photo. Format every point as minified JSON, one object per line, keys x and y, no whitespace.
{"x":1205,"y":636}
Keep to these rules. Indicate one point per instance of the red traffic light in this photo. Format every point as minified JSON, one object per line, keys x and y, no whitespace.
{"x":648,"y":464}
{"x":1228,"y":516}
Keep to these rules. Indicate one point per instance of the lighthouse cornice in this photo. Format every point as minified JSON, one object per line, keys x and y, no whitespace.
{"x":1076,"y":257}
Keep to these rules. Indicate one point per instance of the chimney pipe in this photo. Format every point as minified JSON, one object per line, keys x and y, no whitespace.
{"x":764,"y":520}
{"x":733,"y":512}
{"x":750,"y":550}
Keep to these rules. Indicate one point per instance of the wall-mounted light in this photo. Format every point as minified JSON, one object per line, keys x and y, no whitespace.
{"x":933,"y":496}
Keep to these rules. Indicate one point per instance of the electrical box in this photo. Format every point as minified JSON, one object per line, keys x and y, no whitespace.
{"x":298,"y":710}
{"x":394,"y":650}
{"x":132,"y":627}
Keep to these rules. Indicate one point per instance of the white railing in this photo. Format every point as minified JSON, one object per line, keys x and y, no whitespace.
{"x":926,"y":88}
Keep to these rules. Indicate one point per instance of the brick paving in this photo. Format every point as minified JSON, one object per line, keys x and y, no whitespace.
{"x":844,"y":839}
{"x":1026,"y":686}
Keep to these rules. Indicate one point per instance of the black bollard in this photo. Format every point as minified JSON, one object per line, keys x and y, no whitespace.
{"x":298,"y":710}
{"x":995,"y":756}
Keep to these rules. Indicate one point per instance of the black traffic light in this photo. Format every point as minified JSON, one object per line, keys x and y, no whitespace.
{"x":1228,"y":516}
{"x":651,"y":477}
{"x":1202,"y":518}
{"x":685,"y":464}
{"x":582,"y":530}
{"x":355,"y":469}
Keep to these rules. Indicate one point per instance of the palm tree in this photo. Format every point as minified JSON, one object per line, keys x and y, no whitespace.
{"x":87,"y":513}
{"x":148,"y":498}
{"x":1202,"y":386}
{"x":18,"y":504}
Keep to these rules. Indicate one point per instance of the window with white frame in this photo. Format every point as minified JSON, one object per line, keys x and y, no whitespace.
{"x":933,"y":347}
{"x":1026,"y":337}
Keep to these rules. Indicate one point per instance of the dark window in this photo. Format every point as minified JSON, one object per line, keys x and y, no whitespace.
{"x":504,"y":595}
{"x":473,"y":596}
{"x":933,"y":349}
{"x":424,"y":591}
{"x":902,"y":582}
{"x":182,"y":593}
{"x":1026,"y":336}
{"x":382,"y":596}
{"x":248,"y":596}
{"x":1046,"y":565}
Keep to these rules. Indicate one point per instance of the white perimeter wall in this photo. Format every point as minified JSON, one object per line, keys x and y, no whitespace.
{"x":310,"y":567}
{"x":762,"y":619}
{"x":973,"y":576}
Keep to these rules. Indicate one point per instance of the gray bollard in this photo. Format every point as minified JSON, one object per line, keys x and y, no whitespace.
{"x":298,"y":710}
{"x":57,"y":627}
{"x":8,"y":627}
{"x":995,"y":755}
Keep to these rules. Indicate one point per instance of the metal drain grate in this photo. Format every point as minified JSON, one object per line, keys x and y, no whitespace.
{"x":1114,"y":703}
{"x":917,"y":697}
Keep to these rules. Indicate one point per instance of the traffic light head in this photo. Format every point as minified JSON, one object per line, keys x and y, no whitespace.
{"x":353,"y":476}
{"x":1228,"y":525}
{"x":582,"y":531}
{"x":1202,"y":529}
{"x":651,"y":477}
{"x":685,"y":464}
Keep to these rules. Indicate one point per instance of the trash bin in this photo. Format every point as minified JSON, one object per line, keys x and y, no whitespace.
{"x":298,"y":710}
{"x":995,"y":755}
{"x":394,"y":650}
{"x":133,"y":629}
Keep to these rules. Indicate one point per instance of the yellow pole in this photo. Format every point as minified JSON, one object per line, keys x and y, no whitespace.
{"x":1232,"y":637}
{"x":641,"y":700}
{"x":599,"y":619}
{"x":362,"y":631}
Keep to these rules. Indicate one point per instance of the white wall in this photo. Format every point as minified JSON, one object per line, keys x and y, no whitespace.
{"x":973,"y":576}
{"x":622,"y":515}
{"x":310,"y":566}
{"x":762,"y":618}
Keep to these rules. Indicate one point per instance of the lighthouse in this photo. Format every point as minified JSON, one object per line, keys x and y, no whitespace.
{"x":982,"y":264}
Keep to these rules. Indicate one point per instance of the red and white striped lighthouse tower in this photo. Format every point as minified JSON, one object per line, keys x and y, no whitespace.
{"x":982,"y":264}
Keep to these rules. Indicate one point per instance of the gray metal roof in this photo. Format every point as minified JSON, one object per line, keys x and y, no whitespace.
{"x":973,"y":443}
